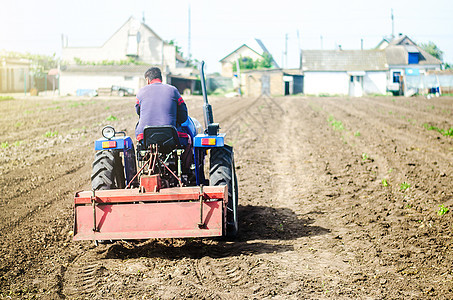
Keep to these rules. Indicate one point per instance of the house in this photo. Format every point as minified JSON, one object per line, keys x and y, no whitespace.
{"x":271,"y":82}
{"x":241,"y":52}
{"x":122,"y":60}
{"x":230,"y":60}
{"x":407,"y":63}
{"x":14,"y":75}
{"x":395,"y":65}
{"x":344,"y":72}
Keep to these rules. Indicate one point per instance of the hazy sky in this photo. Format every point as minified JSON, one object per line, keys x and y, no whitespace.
{"x":219,"y":27}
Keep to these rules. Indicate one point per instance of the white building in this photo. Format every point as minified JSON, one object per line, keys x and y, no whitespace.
{"x":344,"y":72}
{"x":101,"y":67}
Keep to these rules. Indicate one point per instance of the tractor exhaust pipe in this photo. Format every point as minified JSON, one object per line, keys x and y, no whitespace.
{"x":211,"y":128}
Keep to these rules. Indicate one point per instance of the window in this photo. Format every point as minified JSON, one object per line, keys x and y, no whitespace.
{"x":396,"y":77}
{"x":413,"y":58}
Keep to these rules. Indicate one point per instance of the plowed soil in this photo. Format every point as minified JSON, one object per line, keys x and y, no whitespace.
{"x":339,"y":198}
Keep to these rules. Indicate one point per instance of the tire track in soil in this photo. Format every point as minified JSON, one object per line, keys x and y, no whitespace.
{"x":82,"y":276}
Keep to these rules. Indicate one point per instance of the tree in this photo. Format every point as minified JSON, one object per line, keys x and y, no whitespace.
{"x":247,"y":63}
{"x":432,"y":49}
{"x":178,"y":48}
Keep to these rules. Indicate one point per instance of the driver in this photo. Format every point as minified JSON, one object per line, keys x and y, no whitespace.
{"x":159,"y":104}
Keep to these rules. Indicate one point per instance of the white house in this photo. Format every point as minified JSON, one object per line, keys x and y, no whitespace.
{"x":344,"y":72}
{"x":407,"y":64}
{"x":104,"y":66}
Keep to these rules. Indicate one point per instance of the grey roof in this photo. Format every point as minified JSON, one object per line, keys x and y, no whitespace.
{"x":398,"y":55}
{"x":412,"y":49}
{"x":343,"y":60}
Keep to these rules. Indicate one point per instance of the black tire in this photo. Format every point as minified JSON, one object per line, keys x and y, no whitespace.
{"x":222,"y":172}
{"x":107,"y":172}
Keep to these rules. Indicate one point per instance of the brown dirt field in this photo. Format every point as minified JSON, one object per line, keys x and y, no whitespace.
{"x":316,"y":220}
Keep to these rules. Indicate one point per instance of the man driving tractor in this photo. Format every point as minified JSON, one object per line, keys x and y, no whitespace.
{"x":161,"y":104}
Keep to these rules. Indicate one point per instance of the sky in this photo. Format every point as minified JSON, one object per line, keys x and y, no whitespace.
{"x":219,"y":27}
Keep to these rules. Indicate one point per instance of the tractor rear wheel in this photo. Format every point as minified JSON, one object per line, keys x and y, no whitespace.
{"x":107,"y":172}
{"x":222,"y":172}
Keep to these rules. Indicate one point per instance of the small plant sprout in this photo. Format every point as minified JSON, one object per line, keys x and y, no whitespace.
{"x":50,"y":134}
{"x":385,"y":182}
{"x":111,"y":118}
{"x":357,"y":133}
{"x":365,"y":156}
{"x":404,"y":186}
{"x":4,"y":145}
{"x":442,"y":210}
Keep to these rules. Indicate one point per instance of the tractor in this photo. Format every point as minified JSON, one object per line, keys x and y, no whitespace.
{"x":152,"y":192}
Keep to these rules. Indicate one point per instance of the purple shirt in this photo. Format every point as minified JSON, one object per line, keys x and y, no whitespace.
{"x":159,"y":104}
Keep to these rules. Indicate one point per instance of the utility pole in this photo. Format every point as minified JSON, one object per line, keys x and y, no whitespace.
{"x":298,"y":41}
{"x":189,"y":54}
{"x":286,"y":51}
{"x":393,"y":26}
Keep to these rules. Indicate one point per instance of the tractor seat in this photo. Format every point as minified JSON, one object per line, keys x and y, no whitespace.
{"x":166,"y":137}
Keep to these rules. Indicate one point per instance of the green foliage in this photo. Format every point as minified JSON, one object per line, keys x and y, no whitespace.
{"x":129,"y":61}
{"x":50,"y":134}
{"x":365,"y":156}
{"x":385,"y":182}
{"x":4,"y":98}
{"x":445,"y":132}
{"x":247,"y":63}
{"x":404,"y":186}
{"x":4,"y":145}
{"x":111,"y":118}
{"x":337,"y":125}
{"x":432,"y":49}
{"x":177,"y":47}
{"x":448,"y":66}
{"x":357,"y":133}
{"x":442,"y":210}
{"x":39,"y":64}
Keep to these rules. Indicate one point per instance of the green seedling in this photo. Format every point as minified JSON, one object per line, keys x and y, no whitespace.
{"x":365,"y":156}
{"x":385,"y":182}
{"x":50,"y":134}
{"x":357,"y":133}
{"x":4,"y":145}
{"x":404,"y":186}
{"x":442,"y":210}
{"x":337,"y":125}
{"x":111,"y":118}
{"x":445,"y":132}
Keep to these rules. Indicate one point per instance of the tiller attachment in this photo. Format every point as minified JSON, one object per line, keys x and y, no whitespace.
{"x":150,"y":212}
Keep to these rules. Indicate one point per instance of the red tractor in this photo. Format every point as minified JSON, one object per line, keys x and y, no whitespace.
{"x":164,"y":198}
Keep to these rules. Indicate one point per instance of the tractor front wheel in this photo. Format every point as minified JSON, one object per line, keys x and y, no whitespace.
{"x":107,"y":172}
{"x":222,"y":172}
